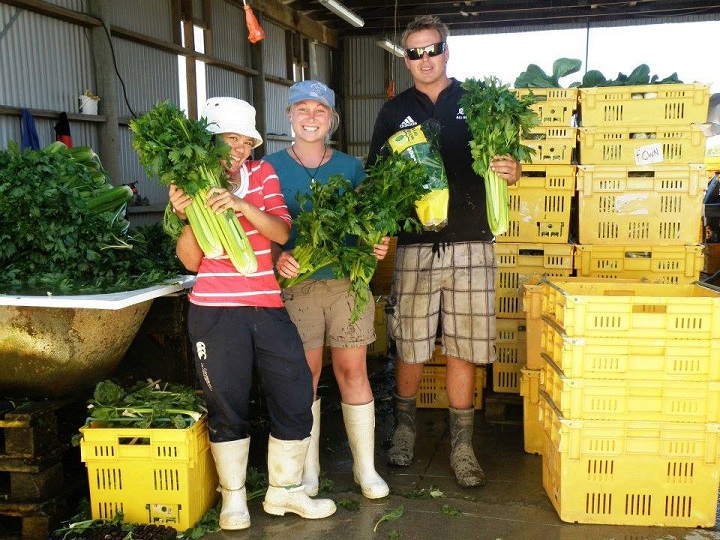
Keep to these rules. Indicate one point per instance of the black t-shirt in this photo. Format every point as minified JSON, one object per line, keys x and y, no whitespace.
{"x":467,"y":214}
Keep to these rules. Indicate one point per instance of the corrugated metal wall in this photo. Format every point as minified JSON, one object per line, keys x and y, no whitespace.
{"x":46,"y":64}
{"x":369,"y":70}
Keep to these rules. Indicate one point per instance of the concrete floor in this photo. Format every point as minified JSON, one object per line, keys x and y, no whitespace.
{"x":512,"y":505}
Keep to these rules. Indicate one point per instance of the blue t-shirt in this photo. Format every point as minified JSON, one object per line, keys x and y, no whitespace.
{"x":295,"y":179}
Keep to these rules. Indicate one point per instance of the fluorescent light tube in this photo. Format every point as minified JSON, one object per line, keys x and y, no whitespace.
{"x":391,"y":47}
{"x":344,"y":13}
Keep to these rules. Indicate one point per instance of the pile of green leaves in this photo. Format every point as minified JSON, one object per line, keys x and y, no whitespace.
{"x":147,"y":404}
{"x":497,"y":119}
{"x":638,"y":76}
{"x":50,"y":240}
{"x":340,"y":226}
{"x":535,"y":77}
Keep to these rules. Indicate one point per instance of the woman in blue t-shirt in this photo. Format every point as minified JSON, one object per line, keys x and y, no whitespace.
{"x":320,"y":306}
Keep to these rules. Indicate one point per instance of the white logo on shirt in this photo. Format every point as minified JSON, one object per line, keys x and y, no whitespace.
{"x":408,"y":122}
{"x":460,"y":114}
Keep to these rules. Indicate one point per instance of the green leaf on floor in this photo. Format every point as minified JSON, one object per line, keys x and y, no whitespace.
{"x":391,"y":516}
{"x":450,"y":511}
{"x":347,"y":504}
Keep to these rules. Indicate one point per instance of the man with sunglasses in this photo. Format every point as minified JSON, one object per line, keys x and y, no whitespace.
{"x":451,"y":271}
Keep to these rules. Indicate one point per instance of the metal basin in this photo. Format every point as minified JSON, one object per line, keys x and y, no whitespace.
{"x":53,"y":352}
{"x":56,"y":346}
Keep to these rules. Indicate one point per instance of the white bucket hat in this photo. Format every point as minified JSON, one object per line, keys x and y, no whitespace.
{"x":231,"y":115}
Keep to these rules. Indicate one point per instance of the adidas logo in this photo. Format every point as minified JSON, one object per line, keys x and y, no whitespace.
{"x":408,"y":122}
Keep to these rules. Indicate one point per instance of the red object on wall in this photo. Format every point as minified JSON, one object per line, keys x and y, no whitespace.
{"x":255,"y":31}
{"x":62,"y":130}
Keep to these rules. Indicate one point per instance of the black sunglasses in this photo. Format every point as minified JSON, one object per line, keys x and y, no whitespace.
{"x":416,"y":53}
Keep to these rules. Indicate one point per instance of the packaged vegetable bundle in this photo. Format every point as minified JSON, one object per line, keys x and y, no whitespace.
{"x":420,"y":144}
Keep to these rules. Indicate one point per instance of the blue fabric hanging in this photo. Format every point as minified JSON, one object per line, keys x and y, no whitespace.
{"x":29,"y":132}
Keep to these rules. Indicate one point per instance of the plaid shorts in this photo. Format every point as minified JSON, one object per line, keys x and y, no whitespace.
{"x":456,"y":280}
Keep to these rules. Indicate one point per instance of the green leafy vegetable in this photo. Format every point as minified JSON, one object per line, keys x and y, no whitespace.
{"x":339,"y":226}
{"x":149,"y":404}
{"x":349,"y":505}
{"x":535,"y":77}
{"x":183,"y":152}
{"x":63,"y":228}
{"x":391,"y":516}
{"x":497,"y":119}
{"x":450,"y":511}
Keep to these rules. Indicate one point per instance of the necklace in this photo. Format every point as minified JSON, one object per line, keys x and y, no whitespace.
{"x":310,"y":175}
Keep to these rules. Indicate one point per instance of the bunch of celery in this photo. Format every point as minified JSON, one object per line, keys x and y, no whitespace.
{"x":183,"y":152}
{"x":340,"y":226}
{"x":497,"y":120}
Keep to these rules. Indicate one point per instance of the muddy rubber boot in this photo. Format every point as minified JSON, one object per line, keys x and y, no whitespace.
{"x":462,"y":457}
{"x":311,"y":471}
{"x":360,"y":428}
{"x":403,"y":438}
{"x":285,"y":491}
{"x":231,"y":464}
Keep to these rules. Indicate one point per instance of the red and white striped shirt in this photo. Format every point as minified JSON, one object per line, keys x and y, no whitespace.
{"x":218,"y":283}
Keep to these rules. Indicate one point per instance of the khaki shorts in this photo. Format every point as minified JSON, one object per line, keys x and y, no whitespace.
{"x":454,"y":286}
{"x":320,"y":308}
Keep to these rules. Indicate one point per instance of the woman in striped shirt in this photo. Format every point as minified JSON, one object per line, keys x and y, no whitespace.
{"x":238,"y":323}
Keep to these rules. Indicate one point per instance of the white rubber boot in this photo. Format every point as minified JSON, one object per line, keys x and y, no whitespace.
{"x":311,"y":471}
{"x":231,"y":464}
{"x":360,"y":428}
{"x":285,"y":491}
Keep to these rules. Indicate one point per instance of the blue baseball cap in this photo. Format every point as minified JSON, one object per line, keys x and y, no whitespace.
{"x":312,"y":90}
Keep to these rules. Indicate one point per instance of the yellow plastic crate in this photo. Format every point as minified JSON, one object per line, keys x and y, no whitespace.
{"x":659,"y":204}
{"x":379,"y":347}
{"x":622,"y":310}
{"x":630,"y":358}
{"x":433,"y":392}
{"x":552,"y":144}
{"x":532,"y":302}
{"x":675,"y":104}
{"x":540,"y":205}
{"x":519,"y":263}
{"x":630,"y":473}
{"x":632,"y":145}
{"x":634,"y":399}
{"x":533,"y":434}
{"x":554,"y":106}
{"x":510,"y":354}
{"x":156,"y":476}
{"x":679,"y":265}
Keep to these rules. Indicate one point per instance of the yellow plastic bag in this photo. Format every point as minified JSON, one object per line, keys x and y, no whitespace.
{"x":420,"y":143}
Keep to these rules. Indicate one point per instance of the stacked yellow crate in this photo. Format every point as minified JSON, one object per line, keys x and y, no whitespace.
{"x":641,"y":182}
{"x":630,"y":401}
{"x":536,"y":242}
{"x":433,"y":388}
